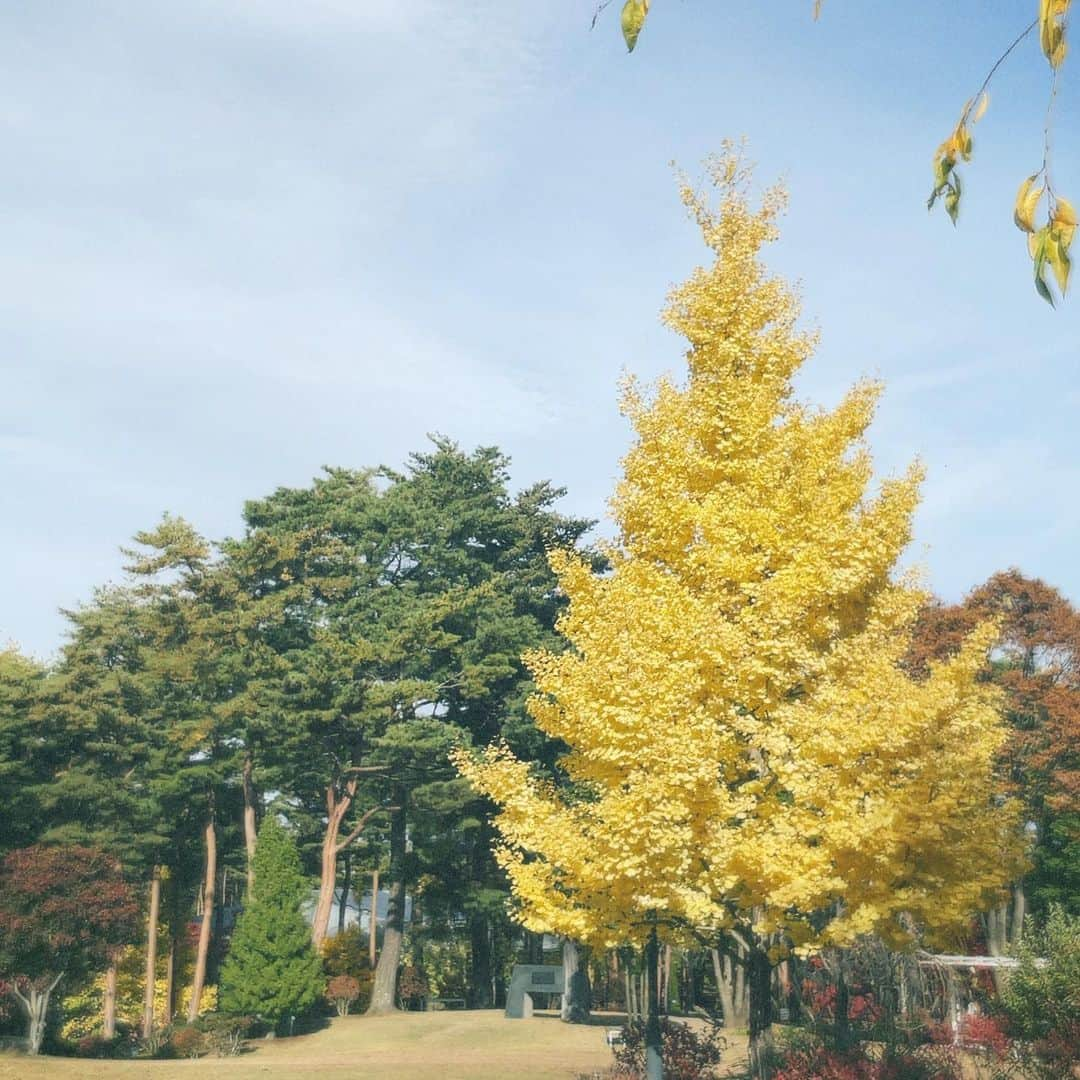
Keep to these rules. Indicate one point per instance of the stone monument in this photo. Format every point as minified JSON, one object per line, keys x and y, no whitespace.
{"x":529,"y":979}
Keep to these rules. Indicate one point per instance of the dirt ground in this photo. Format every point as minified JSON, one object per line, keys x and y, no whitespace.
{"x":469,"y":1045}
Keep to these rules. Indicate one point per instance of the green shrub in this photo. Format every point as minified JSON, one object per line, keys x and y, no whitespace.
{"x":224,"y":1033}
{"x":1042,"y":1001}
{"x":272,"y":972}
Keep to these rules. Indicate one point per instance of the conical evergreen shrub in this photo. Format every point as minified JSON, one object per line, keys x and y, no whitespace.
{"x":272,"y":972}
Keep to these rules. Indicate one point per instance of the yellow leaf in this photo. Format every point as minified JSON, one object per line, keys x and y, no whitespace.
{"x":980,"y":109}
{"x":1052,"y":29}
{"x":1027,"y":199}
{"x":1057,"y":254}
{"x":1064,"y":213}
{"x":633,"y":19}
{"x":817,"y":9}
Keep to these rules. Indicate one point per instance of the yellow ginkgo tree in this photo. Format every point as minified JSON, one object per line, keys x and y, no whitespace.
{"x":746,"y":753}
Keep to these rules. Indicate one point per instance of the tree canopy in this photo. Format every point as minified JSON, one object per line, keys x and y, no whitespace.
{"x":63,"y":910}
{"x":746,"y":750}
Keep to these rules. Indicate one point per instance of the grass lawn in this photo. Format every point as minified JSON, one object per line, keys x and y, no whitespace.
{"x":473,"y":1045}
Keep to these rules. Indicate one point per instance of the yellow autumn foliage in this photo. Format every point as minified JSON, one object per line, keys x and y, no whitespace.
{"x":83,"y":1010}
{"x":745,"y":746}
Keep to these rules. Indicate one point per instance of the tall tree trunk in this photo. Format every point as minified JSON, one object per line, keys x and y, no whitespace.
{"x":1004,"y":930}
{"x":654,"y":1042}
{"x":688,"y":993}
{"x":759,"y":978}
{"x":480,"y":926}
{"x":503,"y":950}
{"x":337,"y":806}
{"x":664,"y":980}
{"x":170,"y":980}
{"x":108,"y":1011}
{"x":384,"y":989}
{"x":338,"y":802}
{"x":373,"y":919}
{"x":346,"y":885}
{"x":480,"y":961}
{"x":841,"y":1011}
{"x":209,"y":884}
{"x":151,"y":953}
{"x":176,"y":933}
{"x":250,"y":824}
{"x":731,"y":988}
{"x":575,"y":1002}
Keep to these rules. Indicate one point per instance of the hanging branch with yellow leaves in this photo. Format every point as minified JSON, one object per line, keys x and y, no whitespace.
{"x":956,"y":148}
{"x":1048,"y":244}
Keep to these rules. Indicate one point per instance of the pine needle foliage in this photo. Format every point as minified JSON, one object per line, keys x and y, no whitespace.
{"x":272,"y":971}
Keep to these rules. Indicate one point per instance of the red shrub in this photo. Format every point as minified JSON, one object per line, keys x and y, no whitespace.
{"x":188,"y":1042}
{"x":984,"y":1032}
{"x":855,"y":1064}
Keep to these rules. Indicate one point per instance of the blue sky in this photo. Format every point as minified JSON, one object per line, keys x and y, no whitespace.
{"x":247,"y":238}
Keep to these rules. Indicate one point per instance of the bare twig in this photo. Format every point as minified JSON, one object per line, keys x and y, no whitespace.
{"x":598,"y":12}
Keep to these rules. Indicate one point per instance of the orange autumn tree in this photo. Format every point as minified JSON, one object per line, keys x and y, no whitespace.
{"x":746,"y":752}
{"x":1036,"y":662}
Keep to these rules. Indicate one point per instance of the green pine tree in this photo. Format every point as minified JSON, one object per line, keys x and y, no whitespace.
{"x":272,"y":971}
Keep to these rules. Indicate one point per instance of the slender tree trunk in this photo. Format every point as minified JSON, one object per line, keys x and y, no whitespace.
{"x":384,"y":989}
{"x":373,"y":919}
{"x":575,"y":1002}
{"x":344,"y":893}
{"x":654,"y":1048}
{"x":759,"y":978}
{"x":724,"y":987}
{"x":842,"y":1008}
{"x":209,"y":883}
{"x":108,"y":1012}
{"x":689,"y":993}
{"x":480,"y":961}
{"x":336,"y":809}
{"x":1004,"y":931}
{"x":151,"y":953}
{"x":170,"y":980}
{"x":250,"y":823}
{"x":731,"y":989}
{"x":480,"y":924}
{"x":502,"y":951}
{"x":176,"y":930}
{"x":337,"y":806}
{"x":952,"y":1005}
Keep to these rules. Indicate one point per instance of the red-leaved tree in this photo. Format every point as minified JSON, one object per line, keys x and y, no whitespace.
{"x":1037,"y":664}
{"x":63,"y":910}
